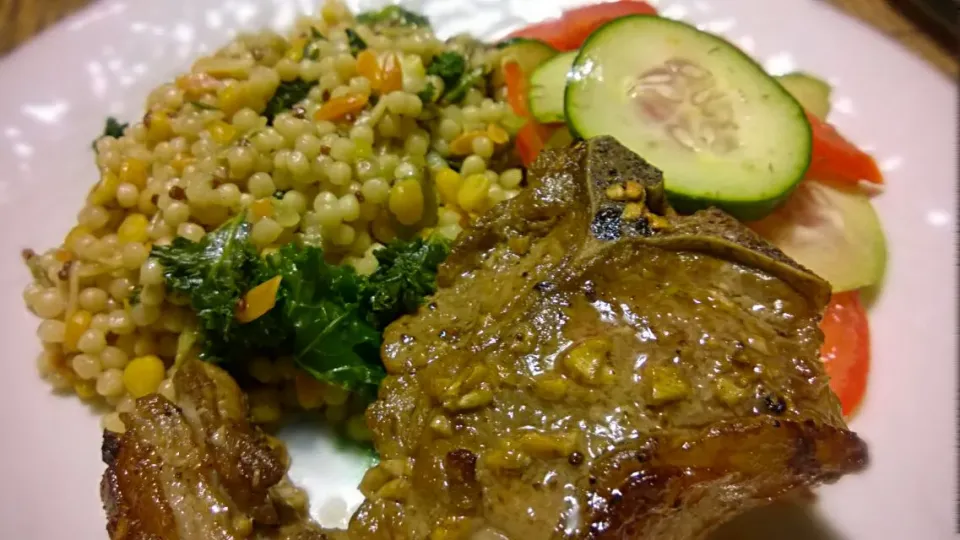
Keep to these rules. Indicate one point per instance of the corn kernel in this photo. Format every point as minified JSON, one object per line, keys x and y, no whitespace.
{"x":463,"y":144}
{"x":158,"y":126}
{"x":295,"y":52}
{"x":143,"y":375}
{"x":133,"y":228}
{"x":309,"y":391}
{"x":222,"y":132}
{"x":134,"y":171}
{"x":232,"y":98}
{"x":105,"y":190}
{"x":472,"y":196}
{"x":77,"y":324}
{"x":259,"y":300}
{"x":261,"y":208}
{"x":180,"y":161}
{"x":85,"y":389}
{"x":448,"y":182}
{"x":406,"y":201}
{"x":497,"y":134}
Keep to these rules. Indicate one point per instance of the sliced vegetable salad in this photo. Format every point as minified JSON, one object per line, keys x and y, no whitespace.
{"x":725,"y":133}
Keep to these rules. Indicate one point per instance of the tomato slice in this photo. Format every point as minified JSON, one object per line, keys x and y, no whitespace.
{"x":569,"y":31}
{"x":846,"y":348}
{"x":835,"y":159}
{"x":531,"y":137}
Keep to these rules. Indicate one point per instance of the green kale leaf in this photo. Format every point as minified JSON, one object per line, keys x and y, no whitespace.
{"x":288,"y":94}
{"x":214,"y":274}
{"x":328,"y":317}
{"x":111,"y":128}
{"x":428,"y":94}
{"x":449,"y":66}
{"x":333,"y":341}
{"x":459,"y":90}
{"x":356,"y":42}
{"x":406,"y":275}
{"x":310,"y":49}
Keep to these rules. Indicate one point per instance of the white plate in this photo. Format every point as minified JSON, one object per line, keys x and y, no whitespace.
{"x":58,"y":88}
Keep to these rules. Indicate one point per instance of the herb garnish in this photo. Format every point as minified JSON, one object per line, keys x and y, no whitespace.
{"x":466,"y":82}
{"x":449,"y":66}
{"x":112,"y":128}
{"x":328,"y":317}
{"x":356,"y":42}
{"x":428,"y":94}
{"x":310,"y":49}
{"x":288,"y":94}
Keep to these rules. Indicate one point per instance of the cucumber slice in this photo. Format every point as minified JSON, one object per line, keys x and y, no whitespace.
{"x":723,"y":132}
{"x":812,"y":93}
{"x":547,"y":85}
{"x":529,"y":53}
{"x":831,"y":230}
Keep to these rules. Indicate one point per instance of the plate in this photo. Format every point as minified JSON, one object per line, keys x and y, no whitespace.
{"x":104,"y":60}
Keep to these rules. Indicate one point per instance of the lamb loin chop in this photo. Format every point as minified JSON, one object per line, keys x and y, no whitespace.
{"x":592,"y":366}
{"x":198,"y":470}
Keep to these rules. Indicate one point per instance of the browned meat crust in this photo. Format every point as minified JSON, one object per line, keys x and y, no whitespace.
{"x":199,"y":470}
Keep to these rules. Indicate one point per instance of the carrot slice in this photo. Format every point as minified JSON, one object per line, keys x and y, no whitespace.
{"x":531,"y":136}
{"x":569,"y":31}
{"x":341,"y":106}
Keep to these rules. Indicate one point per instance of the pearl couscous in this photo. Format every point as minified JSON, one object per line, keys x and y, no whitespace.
{"x":366,"y":145}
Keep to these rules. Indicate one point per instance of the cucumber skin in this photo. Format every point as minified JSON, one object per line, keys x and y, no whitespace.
{"x":498,"y":79}
{"x":742,"y":210}
{"x":531,"y":108}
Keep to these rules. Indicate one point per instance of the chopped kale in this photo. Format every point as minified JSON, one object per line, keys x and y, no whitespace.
{"x":449,"y":66}
{"x":288,"y":94}
{"x":112,"y":128}
{"x":428,"y":94}
{"x":328,"y":317}
{"x":310,"y":49}
{"x":406,"y":275}
{"x":466,"y":82}
{"x":357,"y":43}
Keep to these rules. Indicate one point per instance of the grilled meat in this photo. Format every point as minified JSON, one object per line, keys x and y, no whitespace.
{"x":595,"y":366}
{"x":592,"y":366}
{"x":198,"y":470}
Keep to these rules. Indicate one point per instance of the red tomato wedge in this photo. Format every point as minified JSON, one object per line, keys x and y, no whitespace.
{"x":846,"y":348}
{"x":837,"y":159}
{"x":531,"y":137}
{"x":569,"y":31}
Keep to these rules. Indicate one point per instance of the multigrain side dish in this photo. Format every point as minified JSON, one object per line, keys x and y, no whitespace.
{"x":515,"y":268}
{"x":346,"y":141}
